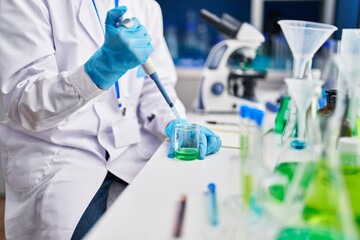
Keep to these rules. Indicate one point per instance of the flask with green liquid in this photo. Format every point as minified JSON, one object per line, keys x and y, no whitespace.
{"x":320,"y":207}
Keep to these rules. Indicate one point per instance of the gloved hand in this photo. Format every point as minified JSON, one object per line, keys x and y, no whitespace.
{"x":124,"y":48}
{"x":209,"y":142}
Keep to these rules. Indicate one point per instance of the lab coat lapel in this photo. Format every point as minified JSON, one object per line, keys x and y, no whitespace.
{"x":90,"y":21}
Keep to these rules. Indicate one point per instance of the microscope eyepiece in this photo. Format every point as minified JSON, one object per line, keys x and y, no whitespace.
{"x":226,"y":25}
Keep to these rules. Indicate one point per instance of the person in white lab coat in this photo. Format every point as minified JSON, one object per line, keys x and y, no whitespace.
{"x":67,"y":139}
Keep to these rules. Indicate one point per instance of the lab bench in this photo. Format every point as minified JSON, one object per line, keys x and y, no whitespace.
{"x":148,"y":206}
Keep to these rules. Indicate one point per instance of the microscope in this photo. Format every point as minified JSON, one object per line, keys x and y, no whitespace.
{"x":227,"y":79}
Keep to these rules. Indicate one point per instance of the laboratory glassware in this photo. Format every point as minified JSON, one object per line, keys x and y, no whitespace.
{"x":347,"y":61}
{"x":347,"y":109}
{"x":318,"y":195}
{"x":187,"y":141}
{"x":304,"y":39}
{"x":298,"y":150}
{"x":319,"y":205}
{"x":301,"y":92}
{"x":329,"y":108}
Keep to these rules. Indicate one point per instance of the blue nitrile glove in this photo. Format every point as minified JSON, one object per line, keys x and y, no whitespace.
{"x":209,"y":142}
{"x":123,"y":49}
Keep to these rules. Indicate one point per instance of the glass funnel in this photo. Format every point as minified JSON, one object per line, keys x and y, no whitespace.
{"x":304,"y":39}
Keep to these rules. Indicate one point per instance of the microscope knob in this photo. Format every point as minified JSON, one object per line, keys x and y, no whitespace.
{"x":217,"y":88}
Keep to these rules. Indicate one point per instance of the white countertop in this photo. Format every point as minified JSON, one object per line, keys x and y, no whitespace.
{"x":147,"y":208}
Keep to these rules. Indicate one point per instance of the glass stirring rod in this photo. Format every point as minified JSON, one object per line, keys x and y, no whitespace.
{"x":150,"y":70}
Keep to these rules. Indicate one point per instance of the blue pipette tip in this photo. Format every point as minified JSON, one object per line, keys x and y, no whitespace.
{"x":298,"y":144}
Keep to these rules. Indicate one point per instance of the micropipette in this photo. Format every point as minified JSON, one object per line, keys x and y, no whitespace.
{"x":150,"y":70}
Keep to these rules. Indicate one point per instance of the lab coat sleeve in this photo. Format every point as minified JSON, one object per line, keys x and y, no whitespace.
{"x":154,"y":112}
{"x":34,"y":94}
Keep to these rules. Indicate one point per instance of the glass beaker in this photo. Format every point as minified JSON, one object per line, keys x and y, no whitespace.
{"x":187,"y":141}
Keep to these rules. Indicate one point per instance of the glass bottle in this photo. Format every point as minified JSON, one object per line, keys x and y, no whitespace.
{"x":329,"y":108}
{"x":325,"y":112}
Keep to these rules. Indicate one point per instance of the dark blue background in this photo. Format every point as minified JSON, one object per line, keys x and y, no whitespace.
{"x":346,"y":11}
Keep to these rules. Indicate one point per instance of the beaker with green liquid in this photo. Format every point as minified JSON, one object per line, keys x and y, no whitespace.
{"x":187,"y":141}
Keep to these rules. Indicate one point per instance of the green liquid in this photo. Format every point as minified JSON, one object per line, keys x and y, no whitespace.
{"x":352,"y":182}
{"x":282,"y":116}
{"x":301,"y":233}
{"x":244,"y":147}
{"x":321,"y":209}
{"x":288,"y":169}
{"x":187,"y":153}
{"x":247,"y":188}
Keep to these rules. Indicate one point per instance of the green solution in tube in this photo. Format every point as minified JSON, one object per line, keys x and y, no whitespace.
{"x":320,"y":218}
{"x":246,"y":183}
{"x":244,"y":146}
{"x":187,"y":153}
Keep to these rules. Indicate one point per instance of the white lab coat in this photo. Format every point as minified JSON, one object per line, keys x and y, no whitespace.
{"x":60,"y":124}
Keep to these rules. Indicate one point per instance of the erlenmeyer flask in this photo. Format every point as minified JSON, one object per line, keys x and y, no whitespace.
{"x":323,"y":212}
{"x":318,"y":201}
{"x":317,"y":196}
{"x":289,"y":161}
{"x":300,"y":152}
